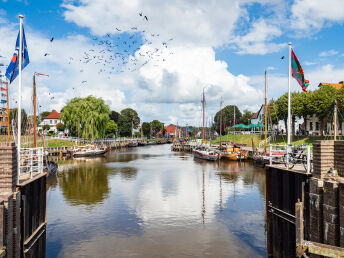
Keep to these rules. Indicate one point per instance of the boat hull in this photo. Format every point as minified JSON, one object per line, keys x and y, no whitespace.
{"x":90,"y":153}
{"x":133,"y":144}
{"x":210,"y":157}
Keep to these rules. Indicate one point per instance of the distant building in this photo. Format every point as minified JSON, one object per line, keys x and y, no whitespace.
{"x":52,"y":120}
{"x":337,"y":86}
{"x":258,"y":117}
{"x":172,"y":129}
{"x":3,"y":120}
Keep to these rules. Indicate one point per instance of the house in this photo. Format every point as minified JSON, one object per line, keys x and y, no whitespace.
{"x":172,"y":129}
{"x":3,"y":120}
{"x":52,"y":120}
{"x":313,"y":124}
{"x":258,"y":117}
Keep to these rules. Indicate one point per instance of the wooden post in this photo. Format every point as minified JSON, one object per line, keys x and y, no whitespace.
{"x":299,"y":229}
{"x":34,"y":112}
{"x":265,"y":114}
{"x":203,"y":105}
{"x":335,"y":121}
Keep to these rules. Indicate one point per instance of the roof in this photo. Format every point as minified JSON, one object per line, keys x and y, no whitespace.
{"x":53,"y":115}
{"x":337,"y":86}
{"x":255,"y":115}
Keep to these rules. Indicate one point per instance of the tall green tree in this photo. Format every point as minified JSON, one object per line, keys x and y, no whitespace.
{"x":128,"y":120}
{"x":157,"y":126}
{"x":111,"y":128}
{"x":91,"y":113}
{"x":227,"y":117}
{"x":114,"y":116}
{"x":146,"y":128}
{"x":246,"y":117}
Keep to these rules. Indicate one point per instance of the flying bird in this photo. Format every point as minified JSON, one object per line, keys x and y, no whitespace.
{"x":140,"y":14}
{"x":282,"y":57}
{"x":146,"y":18}
{"x":118,"y":29}
{"x":52,"y":39}
{"x":46,"y":54}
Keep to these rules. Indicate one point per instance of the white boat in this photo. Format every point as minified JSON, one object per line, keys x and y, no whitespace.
{"x":206,"y":154}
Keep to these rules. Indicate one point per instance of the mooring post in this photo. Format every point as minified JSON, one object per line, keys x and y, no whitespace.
{"x":299,"y":229}
{"x":270,"y":153}
{"x":308,"y":159}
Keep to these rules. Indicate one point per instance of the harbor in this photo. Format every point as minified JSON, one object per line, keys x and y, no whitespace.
{"x":179,"y":129}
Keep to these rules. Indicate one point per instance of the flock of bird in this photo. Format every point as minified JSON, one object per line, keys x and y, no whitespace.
{"x":122,"y":51}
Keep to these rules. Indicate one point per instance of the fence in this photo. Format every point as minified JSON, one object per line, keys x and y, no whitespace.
{"x":31,"y":161}
{"x":291,"y":155}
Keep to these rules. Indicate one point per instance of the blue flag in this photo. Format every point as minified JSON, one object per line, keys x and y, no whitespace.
{"x":13,"y":68}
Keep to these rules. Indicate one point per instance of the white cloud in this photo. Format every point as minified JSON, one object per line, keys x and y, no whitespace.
{"x":330,"y":52}
{"x":258,"y":39}
{"x":312,"y":15}
{"x":309,"y":63}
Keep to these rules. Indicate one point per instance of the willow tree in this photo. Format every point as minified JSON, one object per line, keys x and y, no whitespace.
{"x":91,"y":114}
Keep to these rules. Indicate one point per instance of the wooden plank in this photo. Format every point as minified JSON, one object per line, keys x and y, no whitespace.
{"x":324,"y":250}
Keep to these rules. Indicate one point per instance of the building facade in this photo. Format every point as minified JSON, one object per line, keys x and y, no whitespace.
{"x":52,"y":120}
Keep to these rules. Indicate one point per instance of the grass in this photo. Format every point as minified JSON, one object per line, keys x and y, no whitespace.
{"x":280,"y":139}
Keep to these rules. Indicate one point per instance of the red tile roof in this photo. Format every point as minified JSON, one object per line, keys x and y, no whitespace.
{"x":255,"y":115}
{"x":53,"y":115}
{"x":334,"y":85}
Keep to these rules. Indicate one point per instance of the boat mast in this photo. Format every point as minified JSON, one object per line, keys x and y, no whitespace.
{"x":265,"y":112}
{"x":34,"y":110}
{"x":335,"y":121}
{"x":234,"y":125}
{"x":203,"y":104}
{"x":141,"y":133}
{"x":220,"y":118}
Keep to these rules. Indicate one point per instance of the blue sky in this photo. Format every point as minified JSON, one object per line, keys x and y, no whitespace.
{"x":163,"y":63}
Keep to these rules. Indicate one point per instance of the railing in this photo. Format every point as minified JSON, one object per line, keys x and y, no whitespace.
{"x":291,"y":155}
{"x":262,"y":143}
{"x":31,"y":161}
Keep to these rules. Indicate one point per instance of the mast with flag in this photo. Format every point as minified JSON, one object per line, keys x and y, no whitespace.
{"x":296,"y":71}
{"x":18,"y":62}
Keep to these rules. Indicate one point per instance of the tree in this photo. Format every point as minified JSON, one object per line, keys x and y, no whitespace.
{"x":42,"y":115}
{"x":111,"y":128}
{"x":114,"y":116}
{"x":14,"y":116}
{"x":146,"y":129}
{"x":60,"y":127}
{"x":227,"y":117}
{"x":90,"y":113}
{"x":128,"y":120}
{"x":246,"y":117}
{"x":46,"y":127}
{"x":157,"y":126}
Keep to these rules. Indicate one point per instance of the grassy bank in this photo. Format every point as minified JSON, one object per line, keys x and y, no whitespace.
{"x":280,"y":139}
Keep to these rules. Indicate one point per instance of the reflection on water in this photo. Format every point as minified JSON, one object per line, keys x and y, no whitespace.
{"x":148,"y":201}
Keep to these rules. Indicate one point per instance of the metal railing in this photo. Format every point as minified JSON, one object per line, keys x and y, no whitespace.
{"x":291,"y":155}
{"x":31,"y":161}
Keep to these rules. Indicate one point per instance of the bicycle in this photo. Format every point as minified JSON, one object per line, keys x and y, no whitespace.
{"x":298,"y":155}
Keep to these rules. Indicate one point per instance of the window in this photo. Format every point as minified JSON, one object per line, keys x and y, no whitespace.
{"x":317,"y":126}
{"x":311,"y":126}
{"x":51,"y":122}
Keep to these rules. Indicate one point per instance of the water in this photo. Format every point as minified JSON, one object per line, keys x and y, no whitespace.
{"x":151,"y":202}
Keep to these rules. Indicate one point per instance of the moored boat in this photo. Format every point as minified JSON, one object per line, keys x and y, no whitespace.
{"x":133,"y":144}
{"x":206,"y":154}
{"x":89,"y":152}
{"x":233,"y":153}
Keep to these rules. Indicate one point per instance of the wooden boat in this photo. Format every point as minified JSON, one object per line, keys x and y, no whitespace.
{"x":151,"y":143}
{"x":142,"y":143}
{"x":206,"y":154}
{"x":233,"y":153}
{"x":89,"y":152}
{"x":133,"y":144}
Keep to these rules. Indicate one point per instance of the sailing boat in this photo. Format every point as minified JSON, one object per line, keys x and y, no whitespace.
{"x":203,"y":151}
{"x":233,"y":152}
{"x":142,"y":143}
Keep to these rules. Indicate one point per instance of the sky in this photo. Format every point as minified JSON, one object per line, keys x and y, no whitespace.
{"x":160,"y":64}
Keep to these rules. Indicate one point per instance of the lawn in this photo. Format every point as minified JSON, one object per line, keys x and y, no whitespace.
{"x":280,"y":139}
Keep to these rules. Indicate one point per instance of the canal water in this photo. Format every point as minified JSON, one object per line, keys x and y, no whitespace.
{"x":151,"y":202}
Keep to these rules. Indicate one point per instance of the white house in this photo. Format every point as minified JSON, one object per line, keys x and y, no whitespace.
{"x":52,"y":120}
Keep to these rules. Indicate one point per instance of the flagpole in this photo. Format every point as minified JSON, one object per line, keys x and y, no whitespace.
{"x":20,"y":55}
{"x":289,"y":97}
{"x":8,"y":115}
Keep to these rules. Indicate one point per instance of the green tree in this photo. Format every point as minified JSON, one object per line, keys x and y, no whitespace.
{"x":42,"y":115}
{"x":114,"y":116}
{"x":157,"y":126}
{"x":227,"y":117}
{"x":60,"y":127}
{"x":111,"y":128}
{"x":146,"y":129}
{"x":14,"y":116}
{"x":246,"y":117}
{"x":46,"y":127}
{"x":90,"y":113}
{"x":128,"y":120}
